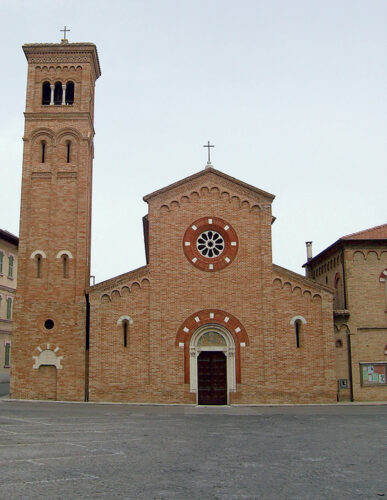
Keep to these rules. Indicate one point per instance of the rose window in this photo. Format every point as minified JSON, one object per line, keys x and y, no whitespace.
{"x":210,"y":244}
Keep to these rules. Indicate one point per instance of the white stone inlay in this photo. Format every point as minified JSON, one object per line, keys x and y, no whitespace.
{"x":48,"y":346}
{"x":211,"y":266}
{"x":186,"y":329}
{"x":181,"y":344}
{"x":226,"y":319}
{"x":194,"y":260}
{"x":39,"y":349}
{"x":233,"y":243}
{"x":197,"y":319}
{"x":209,"y":221}
{"x":194,"y":227}
{"x":243,"y":344}
{"x":187,"y":243}
{"x":56,"y":349}
{"x":227,"y":259}
{"x":226,"y":228}
{"x":212,"y":315}
{"x":237,"y":330}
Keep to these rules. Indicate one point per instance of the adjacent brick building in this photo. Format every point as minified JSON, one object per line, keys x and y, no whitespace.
{"x":355,"y":266}
{"x":208,"y":319}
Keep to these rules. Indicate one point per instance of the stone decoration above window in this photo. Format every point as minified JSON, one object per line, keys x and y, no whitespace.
{"x":210,"y":244}
{"x":211,"y":339}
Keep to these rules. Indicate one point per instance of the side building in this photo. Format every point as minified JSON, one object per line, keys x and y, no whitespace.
{"x":355,"y":266}
{"x":8,"y":278}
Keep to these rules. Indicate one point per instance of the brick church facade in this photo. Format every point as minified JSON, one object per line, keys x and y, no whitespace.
{"x":209,"y":319}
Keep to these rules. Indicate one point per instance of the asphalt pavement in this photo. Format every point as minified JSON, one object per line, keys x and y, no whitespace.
{"x":62,"y":451}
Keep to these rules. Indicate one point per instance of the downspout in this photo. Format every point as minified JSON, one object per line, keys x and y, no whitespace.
{"x":349,"y":346}
{"x":87,"y":347}
{"x":350,"y":364}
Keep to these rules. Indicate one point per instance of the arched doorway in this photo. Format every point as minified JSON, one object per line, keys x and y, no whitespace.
{"x":212,"y":364}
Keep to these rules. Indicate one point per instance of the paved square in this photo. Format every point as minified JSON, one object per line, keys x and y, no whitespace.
{"x":57,"y":450}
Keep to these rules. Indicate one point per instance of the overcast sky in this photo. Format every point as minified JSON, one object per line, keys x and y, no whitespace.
{"x":292,"y":94}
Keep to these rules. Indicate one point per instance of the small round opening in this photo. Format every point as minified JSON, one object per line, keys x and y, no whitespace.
{"x":49,"y":324}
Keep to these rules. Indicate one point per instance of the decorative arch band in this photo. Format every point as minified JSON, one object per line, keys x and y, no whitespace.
{"x":208,"y":317}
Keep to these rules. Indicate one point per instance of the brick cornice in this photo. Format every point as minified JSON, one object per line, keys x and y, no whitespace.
{"x":63,"y":53}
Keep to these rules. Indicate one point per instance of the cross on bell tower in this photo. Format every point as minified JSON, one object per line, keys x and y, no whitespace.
{"x":65,"y":30}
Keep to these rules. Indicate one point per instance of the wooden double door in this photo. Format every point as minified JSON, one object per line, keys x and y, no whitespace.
{"x":212,"y":378}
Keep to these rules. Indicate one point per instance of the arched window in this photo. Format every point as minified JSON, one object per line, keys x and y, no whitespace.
{"x":68,"y":151}
{"x":125,"y":321}
{"x":46,"y":93}
{"x":338,"y":299}
{"x":9,"y":308}
{"x":38,"y":266}
{"x":10,"y":266}
{"x":125,"y":324}
{"x":58,"y":93}
{"x":297,"y":327}
{"x":43,"y":151}
{"x":65,"y":265}
{"x":298,"y":322}
{"x":70,"y":93}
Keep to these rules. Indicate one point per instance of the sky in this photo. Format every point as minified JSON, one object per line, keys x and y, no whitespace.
{"x":291,"y":93}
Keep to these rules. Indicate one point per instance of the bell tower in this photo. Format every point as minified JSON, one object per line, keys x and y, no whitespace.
{"x":50,"y":351}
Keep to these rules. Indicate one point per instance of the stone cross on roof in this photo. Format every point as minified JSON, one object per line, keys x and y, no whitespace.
{"x":65,"y":30}
{"x":208,"y":146}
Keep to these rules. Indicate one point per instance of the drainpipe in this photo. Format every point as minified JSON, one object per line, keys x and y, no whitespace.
{"x":348,"y":333}
{"x":350,"y":364}
{"x":87,"y":344}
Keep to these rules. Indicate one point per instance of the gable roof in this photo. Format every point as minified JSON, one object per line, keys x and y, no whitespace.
{"x":373,"y":233}
{"x":205,"y":172}
{"x":7,"y":236}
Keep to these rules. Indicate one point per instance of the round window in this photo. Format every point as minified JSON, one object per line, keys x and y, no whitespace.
{"x":210,"y":243}
{"x":49,"y":324}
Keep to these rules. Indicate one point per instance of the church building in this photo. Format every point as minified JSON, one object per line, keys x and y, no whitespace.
{"x":209,"y":319}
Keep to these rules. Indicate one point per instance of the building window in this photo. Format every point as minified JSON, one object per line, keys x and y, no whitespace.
{"x":46,"y":93}
{"x":58,"y":94}
{"x":1,"y":261}
{"x":65,"y":264}
{"x":373,"y":374}
{"x":7,"y":355}
{"x":1,"y":299}
{"x":43,"y":152}
{"x":297,"y":328}
{"x":339,"y":343}
{"x":9,"y":308}
{"x":68,"y":151}
{"x":38,"y":266}
{"x":125,"y":331}
{"x":10,"y":266}
{"x":70,"y":93}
